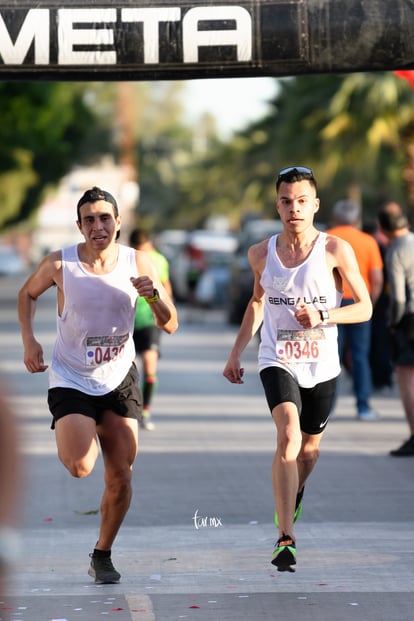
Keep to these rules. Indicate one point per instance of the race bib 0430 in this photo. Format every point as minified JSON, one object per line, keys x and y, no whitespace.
{"x":102,"y":349}
{"x":301,"y":345}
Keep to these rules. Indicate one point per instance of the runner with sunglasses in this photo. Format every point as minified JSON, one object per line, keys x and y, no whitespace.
{"x":297,"y":291}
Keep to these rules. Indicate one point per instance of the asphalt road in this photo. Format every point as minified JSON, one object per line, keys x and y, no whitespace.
{"x":197,"y":541}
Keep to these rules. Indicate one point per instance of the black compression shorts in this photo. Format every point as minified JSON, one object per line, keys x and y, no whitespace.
{"x":313,"y":404}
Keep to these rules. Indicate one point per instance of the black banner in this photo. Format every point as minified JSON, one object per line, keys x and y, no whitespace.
{"x":178,"y":40}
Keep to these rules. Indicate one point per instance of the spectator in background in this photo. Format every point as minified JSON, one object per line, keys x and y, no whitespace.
{"x":196,"y":266}
{"x":357,"y":336}
{"x":146,"y":334}
{"x":400,"y":266}
{"x":382,"y":368}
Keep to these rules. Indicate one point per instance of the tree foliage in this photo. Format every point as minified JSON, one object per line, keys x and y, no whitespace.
{"x":45,"y":128}
{"x":356,"y":131}
{"x":350,"y":129}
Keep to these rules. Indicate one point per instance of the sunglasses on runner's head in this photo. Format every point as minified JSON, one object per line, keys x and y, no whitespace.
{"x":298,"y":169}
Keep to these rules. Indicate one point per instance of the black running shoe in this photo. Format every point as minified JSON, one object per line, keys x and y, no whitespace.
{"x":405,"y":450}
{"x":102,"y":570}
{"x":284,"y":554}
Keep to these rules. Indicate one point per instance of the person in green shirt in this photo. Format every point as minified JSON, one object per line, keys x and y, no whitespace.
{"x":147,"y":335}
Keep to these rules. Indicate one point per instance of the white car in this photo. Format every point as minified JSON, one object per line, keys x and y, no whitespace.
{"x":214,"y":250}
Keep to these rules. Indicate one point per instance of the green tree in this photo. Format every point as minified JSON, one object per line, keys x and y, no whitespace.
{"x":355,"y":130}
{"x":45,"y":128}
{"x":349,"y":128}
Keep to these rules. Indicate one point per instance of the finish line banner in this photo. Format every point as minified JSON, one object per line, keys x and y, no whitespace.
{"x":182,"y":40}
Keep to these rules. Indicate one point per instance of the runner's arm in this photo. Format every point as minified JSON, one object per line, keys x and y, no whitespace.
{"x":252,"y":318}
{"x":42,"y":279}
{"x":164,"y":310}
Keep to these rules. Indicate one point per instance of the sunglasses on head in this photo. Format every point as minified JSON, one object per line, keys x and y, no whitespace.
{"x":298,"y":169}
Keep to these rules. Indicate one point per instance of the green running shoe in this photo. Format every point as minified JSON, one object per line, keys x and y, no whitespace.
{"x":284,"y":554}
{"x":298,"y":508}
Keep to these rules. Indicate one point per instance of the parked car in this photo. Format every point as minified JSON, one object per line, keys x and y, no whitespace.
{"x":170,"y":242}
{"x":241,"y":276}
{"x":212,"y":286}
{"x":205,"y":259}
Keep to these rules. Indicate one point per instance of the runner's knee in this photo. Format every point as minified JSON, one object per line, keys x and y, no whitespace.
{"x":78,"y":468}
{"x":119,"y":481}
{"x":289,"y":442}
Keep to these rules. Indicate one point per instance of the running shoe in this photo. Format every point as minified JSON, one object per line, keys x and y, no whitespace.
{"x":284,"y":554}
{"x":146,"y":421}
{"x":405,"y":450}
{"x":298,"y":508}
{"x":102,"y":570}
{"x":368,"y":415}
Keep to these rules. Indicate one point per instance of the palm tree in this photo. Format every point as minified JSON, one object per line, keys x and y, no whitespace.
{"x":360,"y":126}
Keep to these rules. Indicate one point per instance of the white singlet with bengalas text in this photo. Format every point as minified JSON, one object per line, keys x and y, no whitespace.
{"x":94,"y":348}
{"x":311,"y":356}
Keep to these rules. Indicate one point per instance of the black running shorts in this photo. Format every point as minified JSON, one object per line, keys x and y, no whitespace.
{"x":402,"y":342}
{"x":147,"y":338}
{"x":313,"y":404}
{"x":125,"y":400}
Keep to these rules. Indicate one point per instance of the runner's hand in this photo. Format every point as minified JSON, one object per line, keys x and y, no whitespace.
{"x":33,"y":358}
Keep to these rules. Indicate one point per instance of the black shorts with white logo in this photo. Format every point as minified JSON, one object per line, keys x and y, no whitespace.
{"x":125,"y":400}
{"x":313,"y":404}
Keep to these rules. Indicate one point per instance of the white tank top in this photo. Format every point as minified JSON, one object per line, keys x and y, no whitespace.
{"x":311,"y":356}
{"x":94,"y":348}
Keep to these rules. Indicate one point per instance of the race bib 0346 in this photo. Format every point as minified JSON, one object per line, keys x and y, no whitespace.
{"x":301,"y":345}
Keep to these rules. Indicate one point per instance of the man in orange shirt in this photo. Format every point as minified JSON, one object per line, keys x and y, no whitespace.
{"x":347,"y":220}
